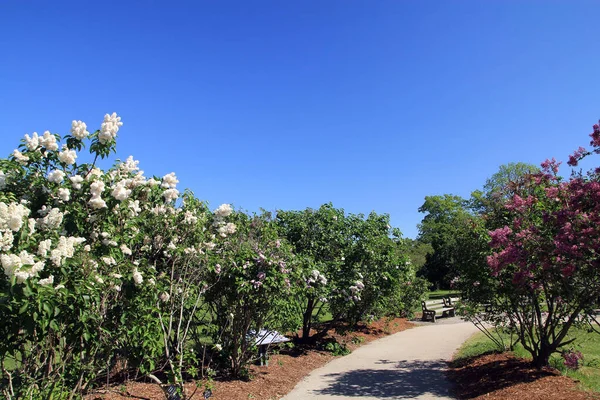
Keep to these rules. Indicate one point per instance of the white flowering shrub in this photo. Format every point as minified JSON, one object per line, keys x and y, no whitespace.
{"x":93,"y":262}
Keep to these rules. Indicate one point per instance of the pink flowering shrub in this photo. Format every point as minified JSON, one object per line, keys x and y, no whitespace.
{"x":573,"y":359}
{"x":545,"y":260}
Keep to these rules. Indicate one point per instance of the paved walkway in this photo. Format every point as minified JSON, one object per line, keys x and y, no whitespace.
{"x":407,"y":365}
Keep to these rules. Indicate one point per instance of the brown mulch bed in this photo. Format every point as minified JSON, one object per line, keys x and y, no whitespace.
{"x":505,"y":377}
{"x":285,"y":370}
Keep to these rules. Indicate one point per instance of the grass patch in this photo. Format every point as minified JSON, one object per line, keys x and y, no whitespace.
{"x":588,"y":343}
{"x":439,"y":294}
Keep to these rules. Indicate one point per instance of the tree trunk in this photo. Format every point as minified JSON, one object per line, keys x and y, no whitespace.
{"x":542,"y":358}
{"x":307,"y":319}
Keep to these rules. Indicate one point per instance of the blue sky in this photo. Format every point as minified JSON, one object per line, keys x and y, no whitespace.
{"x":371,"y":105}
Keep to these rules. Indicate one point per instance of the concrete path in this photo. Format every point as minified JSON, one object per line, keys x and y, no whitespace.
{"x":407,"y":365}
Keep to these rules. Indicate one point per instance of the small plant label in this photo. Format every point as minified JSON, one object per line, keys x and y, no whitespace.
{"x":172,"y":393}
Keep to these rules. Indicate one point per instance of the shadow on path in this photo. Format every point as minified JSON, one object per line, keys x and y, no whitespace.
{"x":405,"y":379}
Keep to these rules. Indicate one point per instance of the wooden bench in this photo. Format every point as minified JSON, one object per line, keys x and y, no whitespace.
{"x":450,"y":301}
{"x":435,"y":308}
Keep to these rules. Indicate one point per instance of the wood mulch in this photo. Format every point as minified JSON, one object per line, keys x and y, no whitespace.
{"x":285,"y":370}
{"x":505,"y":377}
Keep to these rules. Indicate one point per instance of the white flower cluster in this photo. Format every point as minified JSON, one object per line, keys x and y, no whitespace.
{"x":33,"y":142}
{"x":96,"y":189}
{"x":129,"y":166}
{"x":65,"y":249}
{"x":2,"y":180}
{"x":137,"y":277}
{"x":79,"y":130}
{"x":20,"y":157}
{"x":227,"y":229}
{"x":56,"y":176}
{"x":224,"y":228}
{"x":67,"y":156}
{"x":355,"y":291}
{"x":52,"y":220}
{"x":223,"y":211}
{"x":49,"y":141}
{"x":169,"y":181}
{"x":120,"y":191}
{"x":109,"y":128}
{"x":21,"y":266}
{"x":64,"y":194}
{"x":12,"y":216}
{"x":76,"y":181}
{"x":316,"y":278}
{"x":190,"y":218}
{"x":6,"y":240}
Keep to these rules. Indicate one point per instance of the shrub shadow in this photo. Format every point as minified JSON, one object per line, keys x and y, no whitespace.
{"x":402,"y":380}
{"x":480,"y":375}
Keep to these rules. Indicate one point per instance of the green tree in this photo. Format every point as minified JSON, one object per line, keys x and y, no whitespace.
{"x":446,"y":219}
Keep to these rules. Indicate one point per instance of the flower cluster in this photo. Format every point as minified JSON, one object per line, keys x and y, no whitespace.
{"x":109,"y":128}
{"x":572,"y":359}
{"x":315,"y":279}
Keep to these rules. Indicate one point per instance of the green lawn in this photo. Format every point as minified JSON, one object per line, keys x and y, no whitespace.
{"x":588,"y":343}
{"x":438,"y":294}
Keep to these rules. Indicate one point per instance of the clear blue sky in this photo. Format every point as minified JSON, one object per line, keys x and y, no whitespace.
{"x":371,"y":105}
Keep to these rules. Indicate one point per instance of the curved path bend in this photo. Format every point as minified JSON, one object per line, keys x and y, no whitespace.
{"x":407,"y":365}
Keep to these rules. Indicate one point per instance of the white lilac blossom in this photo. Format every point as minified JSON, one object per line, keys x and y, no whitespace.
{"x":109,"y":261}
{"x":316,"y":278}
{"x":79,"y":130}
{"x":171,"y":194}
{"x":169,"y":181}
{"x":52,"y":220}
{"x":137,"y":277}
{"x":95,"y":172}
{"x":22,"y":266}
{"x":223,"y":211}
{"x":134,"y":207}
{"x":46,"y":281}
{"x":109,"y":128}
{"x":64,"y":194}
{"x":44,"y":247}
{"x":33,"y":142}
{"x":164,"y":297}
{"x":56,"y":176}
{"x":65,"y":249}
{"x":152,"y":182}
{"x":2,"y":180}
{"x":6,"y":240}
{"x":76,"y":181}
{"x":67,"y":156}
{"x":12,"y":216}
{"x":96,"y":188}
{"x":120,"y":192}
{"x":227,"y":229}
{"x":49,"y":141}
{"x":130,"y":165}
{"x":126,"y":250}
{"x":20,"y":157}
{"x":190,"y":218}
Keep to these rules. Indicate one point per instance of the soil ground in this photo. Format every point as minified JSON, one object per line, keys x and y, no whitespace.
{"x":504,"y":377}
{"x":490,"y":377}
{"x":285,"y":370}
